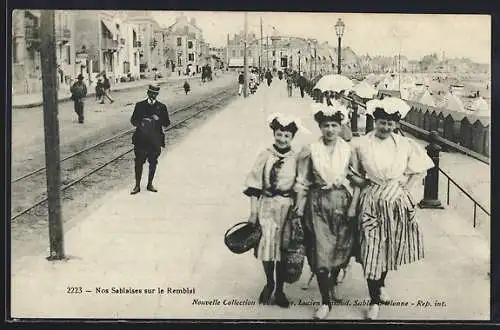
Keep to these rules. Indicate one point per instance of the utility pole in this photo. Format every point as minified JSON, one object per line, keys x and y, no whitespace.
{"x":399,"y":69}
{"x":315,"y":59}
{"x":267,"y":51}
{"x":260,"y":57}
{"x":245,"y":66}
{"x":51,"y":127}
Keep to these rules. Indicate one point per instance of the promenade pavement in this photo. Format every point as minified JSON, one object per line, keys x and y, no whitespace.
{"x":173,"y":239}
{"x":20,"y":101}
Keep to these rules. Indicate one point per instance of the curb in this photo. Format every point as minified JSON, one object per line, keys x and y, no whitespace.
{"x":67,"y":98}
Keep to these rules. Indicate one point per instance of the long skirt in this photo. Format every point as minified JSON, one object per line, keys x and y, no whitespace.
{"x":272,"y":214}
{"x":389,"y":234}
{"x":328,"y":233}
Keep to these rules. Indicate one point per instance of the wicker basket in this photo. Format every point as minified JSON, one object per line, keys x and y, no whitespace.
{"x":242,"y":237}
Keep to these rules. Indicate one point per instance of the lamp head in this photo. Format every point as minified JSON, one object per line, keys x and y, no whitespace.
{"x":339,"y":28}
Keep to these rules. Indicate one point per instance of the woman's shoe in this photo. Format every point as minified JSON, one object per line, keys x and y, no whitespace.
{"x":265,"y":295}
{"x":342,"y":274}
{"x":308,"y":284}
{"x":372,"y":313}
{"x":384,"y":297}
{"x":281,"y":300}
{"x":322,"y":312}
{"x":334,"y":295}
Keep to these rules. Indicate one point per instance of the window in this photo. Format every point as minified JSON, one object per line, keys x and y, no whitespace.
{"x":274,"y":53}
{"x":190,"y":57}
{"x":179,"y":42}
{"x":190,"y":44}
{"x":135,"y":59}
{"x":250,"y":52}
{"x":233,"y":53}
{"x":179,"y":60}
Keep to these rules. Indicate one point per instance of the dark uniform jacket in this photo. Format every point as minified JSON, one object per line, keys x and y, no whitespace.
{"x":149,"y":131}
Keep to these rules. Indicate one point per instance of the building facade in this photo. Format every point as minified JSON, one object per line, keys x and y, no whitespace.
{"x":150,"y":43}
{"x":236,"y":50}
{"x":26,"y":62}
{"x":186,"y":47}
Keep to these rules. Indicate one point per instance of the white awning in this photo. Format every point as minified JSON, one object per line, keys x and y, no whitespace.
{"x":238,"y":62}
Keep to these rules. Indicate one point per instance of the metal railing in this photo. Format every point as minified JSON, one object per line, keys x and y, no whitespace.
{"x":421,"y":133}
{"x":476,"y":204}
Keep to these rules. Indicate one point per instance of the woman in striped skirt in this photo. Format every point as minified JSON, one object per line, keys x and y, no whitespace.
{"x":389,"y":233}
{"x":269,"y":186}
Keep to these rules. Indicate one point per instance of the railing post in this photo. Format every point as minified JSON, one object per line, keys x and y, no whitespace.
{"x":431,"y":183}
{"x":369,"y":123}
{"x":354,"y":119}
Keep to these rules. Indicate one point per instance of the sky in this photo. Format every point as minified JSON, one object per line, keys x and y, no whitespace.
{"x":415,"y":35}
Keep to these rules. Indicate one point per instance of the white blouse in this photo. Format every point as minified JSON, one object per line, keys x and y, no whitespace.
{"x":329,"y":167}
{"x":391,"y":158}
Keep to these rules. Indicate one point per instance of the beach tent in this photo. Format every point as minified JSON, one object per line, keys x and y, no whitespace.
{"x":452,"y":102}
{"x":481,"y":107}
{"x":425,"y":97}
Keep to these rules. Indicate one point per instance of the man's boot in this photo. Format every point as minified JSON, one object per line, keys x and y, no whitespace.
{"x":152,"y":170}
{"x":138,"y":175}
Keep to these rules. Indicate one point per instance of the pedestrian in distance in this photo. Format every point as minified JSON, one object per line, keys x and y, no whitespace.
{"x":269,"y":186}
{"x":269,"y":77}
{"x":107,"y":88}
{"x":389,"y":234}
{"x":289,"y":85}
{"x":241,"y":83}
{"x":78,"y":93}
{"x":149,"y":117}
{"x":301,"y":82}
{"x":326,"y":201}
{"x":99,"y":89}
{"x":187,"y":87}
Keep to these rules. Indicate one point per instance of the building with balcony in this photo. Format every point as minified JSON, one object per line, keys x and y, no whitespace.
{"x":150,"y":42}
{"x":100,"y":43}
{"x":218,"y":55}
{"x":186,"y":47}
{"x":26,"y":62}
{"x":236,"y":50}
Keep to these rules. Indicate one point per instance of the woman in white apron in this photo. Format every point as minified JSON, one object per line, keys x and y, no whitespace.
{"x":327,"y":202}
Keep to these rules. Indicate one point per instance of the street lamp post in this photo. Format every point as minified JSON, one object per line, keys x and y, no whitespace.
{"x":299,"y":60}
{"x":245,"y":68}
{"x":339,"y":29}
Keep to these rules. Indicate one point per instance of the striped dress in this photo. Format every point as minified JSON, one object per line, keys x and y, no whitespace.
{"x":389,"y":234}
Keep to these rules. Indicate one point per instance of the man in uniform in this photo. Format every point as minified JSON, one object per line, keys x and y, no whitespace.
{"x":149,"y":117}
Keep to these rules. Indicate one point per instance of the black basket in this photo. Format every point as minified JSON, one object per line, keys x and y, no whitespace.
{"x":242,"y":237}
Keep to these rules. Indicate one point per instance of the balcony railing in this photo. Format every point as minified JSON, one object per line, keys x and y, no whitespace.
{"x":32,"y":37}
{"x":32,"y":33}
{"x":109,"y":44}
{"x":63,"y":34}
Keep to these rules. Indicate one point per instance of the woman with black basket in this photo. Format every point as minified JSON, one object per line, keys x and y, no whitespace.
{"x":270,"y":188}
{"x":327,"y":202}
